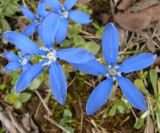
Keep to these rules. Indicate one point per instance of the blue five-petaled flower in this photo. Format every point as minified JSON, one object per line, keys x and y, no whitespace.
{"x":110,"y":46}
{"x":65,"y":13}
{"x":49,"y":57}
{"x":36,"y":19}
{"x":16,"y":62}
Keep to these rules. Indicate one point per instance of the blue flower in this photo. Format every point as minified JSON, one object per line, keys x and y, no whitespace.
{"x":110,"y":46}
{"x":65,"y":13}
{"x":36,"y":20}
{"x":16,"y":62}
{"x":49,"y":57}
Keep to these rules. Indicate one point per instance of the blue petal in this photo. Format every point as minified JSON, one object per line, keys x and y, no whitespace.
{"x":29,"y":30}
{"x":91,"y":67}
{"x":75,"y":55}
{"x":12,"y":66}
{"x":27,"y":13}
{"x":79,"y":17}
{"x":48,"y":29}
{"x":41,"y":9}
{"x":55,"y":4}
{"x":69,"y":4}
{"x":58,"y":82}
{"x":25,"y":67}
{"x":26,"y":77}
{"x":110,"y":44}
{"x":137,"y":62}
{"x":134,"y":96}
{"x":22,"y":42}
{"x":99,"y":96}
{"x":62,"y":31}
{"x":11,"y":56}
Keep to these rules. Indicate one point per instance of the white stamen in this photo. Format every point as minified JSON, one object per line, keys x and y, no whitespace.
{"x":44,"y":49}
{"x":51,"y":56}
{"x":113,"y":72}
{"x":24,"y":61}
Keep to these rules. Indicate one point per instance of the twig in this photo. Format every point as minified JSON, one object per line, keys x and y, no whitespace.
{"x":155,"y":30}
{"x":14,"y":121}
{"x":112,"y":7}
{"x":24,"y":3}
{"x":80,"y":105}
{"x":89,"y":35}
{"x":94,"y":124}
{"x":8,"y":124}
{"x":89,"y":84}
{"x":125,"y":120}
{"x":56,"y":124}
{"x":134,"y":113}
{"x":71,"y":82}
{"x":43,"y":103}
{"x":37,"y":110}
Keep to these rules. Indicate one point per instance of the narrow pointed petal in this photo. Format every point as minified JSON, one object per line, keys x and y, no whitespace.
{"x":55,"y":4}
{"x":137,"y":62}
{"x":27,"y":13}
{"x":91,"y":67}
{"x":22,"y":42}
{"x":80,"y":17}
{"x":110,"y":44}
{"x":12,"y":66}
{"x":48,"y":29}
{"x":99,"y":96}
{"x":11,"y":56}
{"x":41,"y":9}
{"x":26,"y":77}
{"x":62,"y":31}
{"x":69,"y":4}
{"x":58,"y":82}
{"x":75,"y":55}
{"x":29,"y":30}
{"x":134,"y":96}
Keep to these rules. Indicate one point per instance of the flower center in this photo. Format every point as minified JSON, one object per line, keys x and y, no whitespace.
{"x":65,"y":14}
{"x":112,"y":72}
{"x":24,"y":61}
{"x":38,"y":19}
{"x":51,"y":55}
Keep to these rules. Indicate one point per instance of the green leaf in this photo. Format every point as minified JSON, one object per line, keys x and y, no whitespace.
{"x":9,"y":7}
{"x":4,"y":25}
{"x":12,"y":98}
{"x":18,"y":105}
{"x":121,"y":107}
{"x":74,"y":30}
{"x":24,"y":97}
{"x":112,"y":111}
{"x":69,"y":129}
{"x":67,"y":43}
{"x":92,"y":46}
{"x":67,"y":113}
{"x":153,"y":78}
{"x":35,"y":84}
{"x":2,"y":86}
{"x":65,"y":120}
{"x":140,"y":85}
{"x":99,"y":29}
{"x":15,"y":76}
{"x":78,"y":41}
{"x":139,"y":123}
